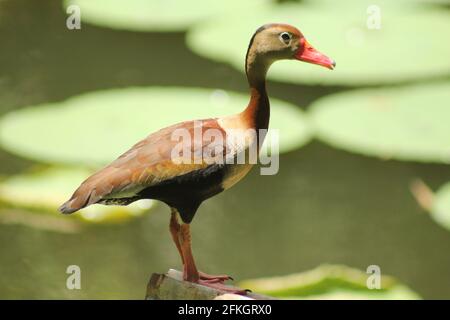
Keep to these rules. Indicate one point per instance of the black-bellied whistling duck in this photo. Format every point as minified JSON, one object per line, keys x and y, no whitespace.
{"x":147,"y":170}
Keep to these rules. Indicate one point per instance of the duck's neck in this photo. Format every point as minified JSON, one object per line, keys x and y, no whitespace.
{"x":257,"y":113}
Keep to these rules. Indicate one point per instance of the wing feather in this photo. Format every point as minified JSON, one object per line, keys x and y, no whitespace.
{"x":147,"y":163}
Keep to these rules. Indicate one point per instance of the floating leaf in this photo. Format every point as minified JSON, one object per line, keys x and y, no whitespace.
{"x":95,"y":128}
{"x":48,"y":189}
{"x":382,"y":4}
{"x":440,"y":210}
{"x":39,"y":221}
{"x":405,"y":48}
{"x":329,"y":282}
{"x":409,"y":123}
{"x":155,"y":15}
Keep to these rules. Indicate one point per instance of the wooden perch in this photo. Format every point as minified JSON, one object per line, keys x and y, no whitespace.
{"x":170,"y":286}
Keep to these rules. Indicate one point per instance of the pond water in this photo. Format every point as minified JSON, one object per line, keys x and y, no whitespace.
{"x":324,"y":206}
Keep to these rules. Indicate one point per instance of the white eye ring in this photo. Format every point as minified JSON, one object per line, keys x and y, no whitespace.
{"x":286,"y":38}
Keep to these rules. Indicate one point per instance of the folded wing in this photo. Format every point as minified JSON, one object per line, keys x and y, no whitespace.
{"x":147,"y":163}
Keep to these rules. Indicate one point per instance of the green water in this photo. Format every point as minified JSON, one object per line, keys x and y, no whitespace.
{"x":324,"y":206}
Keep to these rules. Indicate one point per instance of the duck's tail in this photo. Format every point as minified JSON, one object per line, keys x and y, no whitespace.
{"x":81,"y":198}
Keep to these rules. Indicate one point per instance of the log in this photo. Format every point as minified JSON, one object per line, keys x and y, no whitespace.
{"x":170,"y":286}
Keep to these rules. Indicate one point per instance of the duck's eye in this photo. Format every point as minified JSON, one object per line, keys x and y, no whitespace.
{"x":285,"y":37}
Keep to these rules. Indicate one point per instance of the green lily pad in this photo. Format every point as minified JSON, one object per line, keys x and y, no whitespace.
{"x":406,"y":48}
{"x":155,"y":15}
{"x":95,"y":128}
{"x":409,"y":123}
{"x":382,"y":4}
{"x":329,"y":282}
{"x":48,"y":189}
{"x":440,"y":210}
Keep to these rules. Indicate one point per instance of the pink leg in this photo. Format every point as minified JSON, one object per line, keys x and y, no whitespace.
{"x":174,"y":231}
{"x":190,"y":272}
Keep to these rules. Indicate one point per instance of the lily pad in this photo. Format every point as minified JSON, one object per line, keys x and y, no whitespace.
{"x":95,"y":128}
{"x":47,"y":189}
{"x":409,"y":123}
{"x":405,"y":48}
{"x":329,"y":282}
{"x":155,"y":15}
{"x":440,"y":210}
{"x":382,"y":4}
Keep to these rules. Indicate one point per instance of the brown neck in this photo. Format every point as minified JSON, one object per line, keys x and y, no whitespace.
{"x":257,"y":113}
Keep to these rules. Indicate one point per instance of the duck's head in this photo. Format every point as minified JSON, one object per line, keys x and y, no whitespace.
{"x":273,"y":42}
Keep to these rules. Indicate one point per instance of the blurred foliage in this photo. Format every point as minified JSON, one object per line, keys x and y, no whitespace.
{"x":440,"y":210}
{"x":45,"y":190}
{"x":155,"y":15}
{"x":43,"y":222}
{"x":396,"y":4}
{"x":95,"y":128}
{"x":407,"y":47}
{"x":329,"y":282}
{"x":409,"y":123}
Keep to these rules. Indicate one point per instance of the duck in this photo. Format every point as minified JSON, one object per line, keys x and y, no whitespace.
{"x":152,"y":170}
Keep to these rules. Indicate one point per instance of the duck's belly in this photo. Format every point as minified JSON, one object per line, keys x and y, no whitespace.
{"x":188,"y":191}
{"x":199,"y":185}
{"x":234,"y":173}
